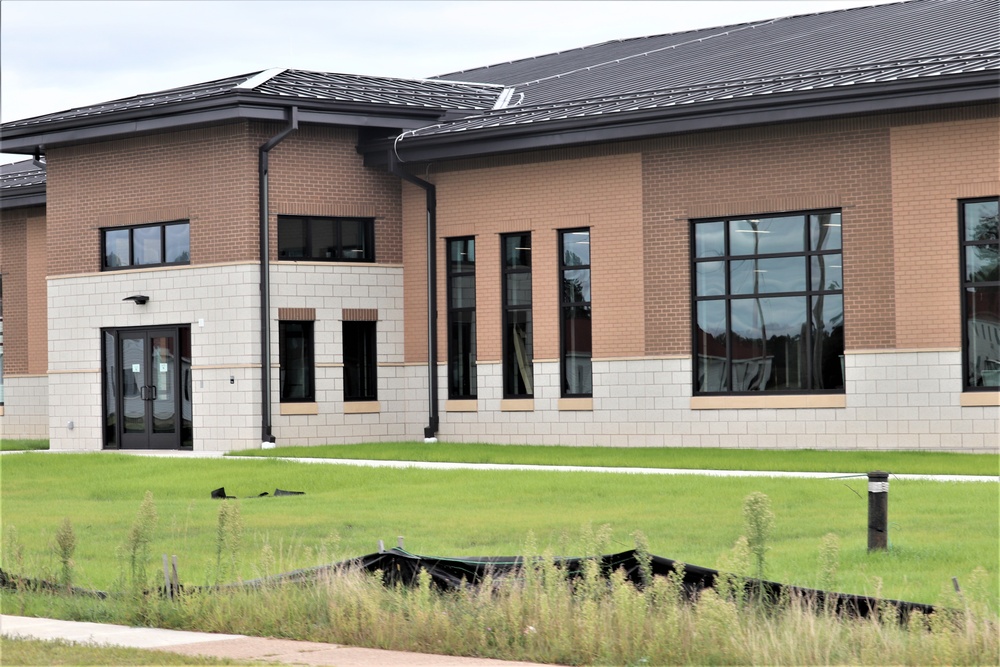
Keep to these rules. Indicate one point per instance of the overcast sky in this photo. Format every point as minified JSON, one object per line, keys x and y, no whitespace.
{"x":56,"y":56}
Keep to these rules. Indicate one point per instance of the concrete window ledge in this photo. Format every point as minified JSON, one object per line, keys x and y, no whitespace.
{"x":970,"y":399}
{"x":768,"y":402}
{"x":517,"y":405}
{"x":576,"y":404}
{"x":361,"y":407}
{"x":463,"y":405}
{"x":300,"y":408}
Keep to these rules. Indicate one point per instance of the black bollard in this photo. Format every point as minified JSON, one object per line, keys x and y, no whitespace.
{"x":878,"y":510}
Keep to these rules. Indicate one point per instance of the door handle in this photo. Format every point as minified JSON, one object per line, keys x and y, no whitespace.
{"x":153,"y":397}
{"x":142,"y":393}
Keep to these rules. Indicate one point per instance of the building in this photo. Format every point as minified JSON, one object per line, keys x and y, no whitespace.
{"x":779,"y":234}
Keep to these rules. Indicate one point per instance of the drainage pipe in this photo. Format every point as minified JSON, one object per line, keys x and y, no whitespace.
{"x":265,"y":278}
{"x":432,"y":390}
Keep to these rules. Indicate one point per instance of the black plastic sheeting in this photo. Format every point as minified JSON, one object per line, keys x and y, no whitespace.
{"x":399,"y":567}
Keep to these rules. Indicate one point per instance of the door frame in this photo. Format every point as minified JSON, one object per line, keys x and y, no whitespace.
{"x":113,"y":435}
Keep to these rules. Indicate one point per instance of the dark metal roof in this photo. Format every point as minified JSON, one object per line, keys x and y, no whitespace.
{"x":21,"y":184}
{"x":908,"y":55}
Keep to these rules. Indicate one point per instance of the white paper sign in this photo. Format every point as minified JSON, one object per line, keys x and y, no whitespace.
{"x":136,"y":368}
{"x":163,"y":368}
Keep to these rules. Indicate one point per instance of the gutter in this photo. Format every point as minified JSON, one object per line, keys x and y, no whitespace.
{"x":395,"y":167}
{"x":267,"y":440}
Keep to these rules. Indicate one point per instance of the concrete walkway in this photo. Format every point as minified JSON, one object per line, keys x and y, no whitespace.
{"x":233,"y":647}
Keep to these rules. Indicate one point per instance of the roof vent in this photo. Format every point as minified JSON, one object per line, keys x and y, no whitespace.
{"x":261,"y":78}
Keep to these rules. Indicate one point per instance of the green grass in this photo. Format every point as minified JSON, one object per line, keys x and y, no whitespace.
{"x":899,"y":462}
{"x":35,"y":652}
{"x":937,"y":530}
{"x":10,"y":445}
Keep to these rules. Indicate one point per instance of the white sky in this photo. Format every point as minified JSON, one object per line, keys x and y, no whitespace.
{"x":56,"y":56}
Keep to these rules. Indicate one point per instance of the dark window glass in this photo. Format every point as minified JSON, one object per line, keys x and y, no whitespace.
{"x":575,"y":322}
{"x":295,"y":353}
{"x":461,"y":269}
{"x":1,"y":340}
{"x":518,"y":368}
{"x":147,"y":245}
{"x":980,"y":221}
{"x":110,"y":392}
{"x":768,"y":304}
{"x":360,"y":382}
{"x":326,"y":239}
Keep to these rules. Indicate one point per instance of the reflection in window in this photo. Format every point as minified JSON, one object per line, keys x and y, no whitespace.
{"x":146,"y":245}
{"x":462,"y":318}
{"x":360,"y":382}
{"x":326,"y":239}
{"x":576,"y":349}
{"x":768,"y":304}
{"x":518,"y":372}
{"x":295,"y":354}
{"x":981,"y":293}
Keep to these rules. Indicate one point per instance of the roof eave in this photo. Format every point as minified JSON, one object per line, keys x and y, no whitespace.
{"x":903,"y":95}
{"x":27,"y":196}
{"x":26,"y":139}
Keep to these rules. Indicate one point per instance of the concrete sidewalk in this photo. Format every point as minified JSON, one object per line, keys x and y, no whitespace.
{"x":233,"y":647}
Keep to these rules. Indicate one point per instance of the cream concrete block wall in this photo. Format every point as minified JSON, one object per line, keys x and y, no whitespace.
{"x":329,"y":289}
{"x":25,"y":410}
{"x":218,"y":302}
{"x":895,"y":400}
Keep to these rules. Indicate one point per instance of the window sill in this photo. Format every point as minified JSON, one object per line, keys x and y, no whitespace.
{"x":1,"y":411}
{"x":576,"y":404}
{"x":461,"y":405}
{"x":517,"y":405}
{"x":970,"y":399}
{"x":300,"y":408}
{"x":361,"y":407}
{"x":778,"y":402}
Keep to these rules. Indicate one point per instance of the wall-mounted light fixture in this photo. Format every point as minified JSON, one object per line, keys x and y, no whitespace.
{"x":139,"y":299}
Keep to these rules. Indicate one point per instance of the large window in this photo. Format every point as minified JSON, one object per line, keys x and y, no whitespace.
{"x":981,"y":293}
{"x":360,"y":382}
{"x":295,"y":350}
{"x":518,"y":379}
{"x":768,"y":304}
{"x":146,"y":245}
{"x":575,"y":327}
{"x":462,"y":318}
{"x":326,"y":239}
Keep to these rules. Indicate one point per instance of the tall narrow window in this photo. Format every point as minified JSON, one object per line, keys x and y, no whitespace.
{"x":768,"y":304}
{"x":295,"y":350}
{"x":576,"y":347}
{"x":462,"y":318}
{"x":981,"y":293}
{"x":518,"y":378}
{"x":360,"y":382}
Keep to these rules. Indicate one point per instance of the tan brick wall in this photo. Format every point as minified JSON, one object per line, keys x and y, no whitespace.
{"x":22,"y":265}
{"x":602,"y":193}
{"x":770,"y":170}
{"x":933,"y":166}
{"x":318,"y":171}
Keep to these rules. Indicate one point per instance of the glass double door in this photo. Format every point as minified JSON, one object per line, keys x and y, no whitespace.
{"x":147,"y":388}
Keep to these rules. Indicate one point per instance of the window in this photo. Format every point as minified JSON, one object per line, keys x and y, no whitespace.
{"x":518,"y":380}
{"x":359,"y":362}
{"x":1,"y":340}
{"x":768,"y":304}
{"x":462,"y":318}
{"x":981,"y":293}
{"x":146,"y":245}
{"x":326,"y":239}
{"x":576,"y":347}
{"x":295,"y":352}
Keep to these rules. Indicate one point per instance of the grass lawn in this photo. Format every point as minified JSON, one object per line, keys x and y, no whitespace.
{"x":34,"y":652}
{"x":10,"y":445}
{"x":899,"y":462}
{"x":937,"y":530}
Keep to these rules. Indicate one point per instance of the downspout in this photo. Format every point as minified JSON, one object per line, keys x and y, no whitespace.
{"x":432,"y":390}
{"x":266,"y":438}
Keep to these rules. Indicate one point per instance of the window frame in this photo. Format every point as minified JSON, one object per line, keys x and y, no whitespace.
{"x":564,"y":306}
{"x":309,"y":348}
{"x":131,"y":229}
{"x":368,"y":230}
{"x":455,"y":392}
{"x":965,"y":285}
{"x":507,"y":309}
{"x":368,"y":365}
{"x":808,"y":292}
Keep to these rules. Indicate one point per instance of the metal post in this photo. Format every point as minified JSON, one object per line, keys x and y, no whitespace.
{"x":878,"y":510}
